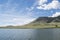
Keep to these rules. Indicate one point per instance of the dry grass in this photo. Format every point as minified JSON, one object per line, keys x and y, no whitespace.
{"x":36,"y":26}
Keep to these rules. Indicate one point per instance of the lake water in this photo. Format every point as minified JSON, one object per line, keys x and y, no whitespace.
{"x":30,"y":34}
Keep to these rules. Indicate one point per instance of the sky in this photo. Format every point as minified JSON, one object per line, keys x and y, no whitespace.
{"x":20,"y":12}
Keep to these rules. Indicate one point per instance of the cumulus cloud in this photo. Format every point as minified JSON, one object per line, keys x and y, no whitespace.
{"x":41,"y":2}
{"x":55,"y":4}
{"x":56,"y":14}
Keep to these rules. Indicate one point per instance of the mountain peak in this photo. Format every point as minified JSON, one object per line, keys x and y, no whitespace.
{"x":47,"y":19}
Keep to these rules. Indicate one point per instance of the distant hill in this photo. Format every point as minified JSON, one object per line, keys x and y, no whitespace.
{"x":47,"y":19}
{"x":41,"y":22}
{"x":44,"y":22}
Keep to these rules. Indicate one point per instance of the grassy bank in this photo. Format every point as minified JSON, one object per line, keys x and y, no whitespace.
{"x":34,"y":26}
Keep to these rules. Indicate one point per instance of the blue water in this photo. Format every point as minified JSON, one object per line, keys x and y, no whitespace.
{"x":29,"y":34}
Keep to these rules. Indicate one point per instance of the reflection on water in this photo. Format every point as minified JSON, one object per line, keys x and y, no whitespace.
{"x":44,"y":34}
{"x":29,"y":34}
{"x":56,"y":35}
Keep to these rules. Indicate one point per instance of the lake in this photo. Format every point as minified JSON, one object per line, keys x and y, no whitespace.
{"x":30,"y":34}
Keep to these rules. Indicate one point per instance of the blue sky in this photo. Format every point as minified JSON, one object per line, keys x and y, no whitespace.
{"x":20,"y":12}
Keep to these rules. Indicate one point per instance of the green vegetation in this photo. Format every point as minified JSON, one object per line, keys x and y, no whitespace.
{"x":41,"y":22}
{"x":35,"y":26}
{"x":43,"y":25}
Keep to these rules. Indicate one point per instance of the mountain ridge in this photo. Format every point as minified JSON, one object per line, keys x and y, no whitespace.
{"x":41,"y":22}
{"x":47,"y":19}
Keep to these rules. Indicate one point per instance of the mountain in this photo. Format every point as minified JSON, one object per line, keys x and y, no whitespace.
{"x":41,"y":22}
{"x":47,"y":19}
{"x":44,"y":22}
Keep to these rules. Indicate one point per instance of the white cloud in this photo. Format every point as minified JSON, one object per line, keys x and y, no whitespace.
{"x":56,"y":14}
{"x":30,"y":9}
{"x":17,"y":21}
{"x":55,"y":4}
{"x":8,"y":19}
{"x":10,"y":16}
{"x":41,"y":2}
